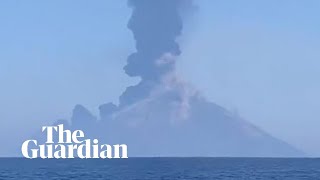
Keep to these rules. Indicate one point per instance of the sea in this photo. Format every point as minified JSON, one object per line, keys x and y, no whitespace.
{"x":161,"y":168}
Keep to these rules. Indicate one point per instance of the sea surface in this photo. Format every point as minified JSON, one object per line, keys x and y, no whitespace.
{"x":161,"y":168}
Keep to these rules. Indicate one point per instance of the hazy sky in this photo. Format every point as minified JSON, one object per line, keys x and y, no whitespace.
{"x":260,"y":58}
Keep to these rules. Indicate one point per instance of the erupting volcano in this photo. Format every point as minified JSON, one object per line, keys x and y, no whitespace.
{"x":162,"y":115}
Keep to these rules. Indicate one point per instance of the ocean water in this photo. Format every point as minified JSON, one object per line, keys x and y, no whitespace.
{"x":161,"y":168}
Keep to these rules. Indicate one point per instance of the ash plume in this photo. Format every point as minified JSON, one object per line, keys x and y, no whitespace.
{"x":155,"y":25}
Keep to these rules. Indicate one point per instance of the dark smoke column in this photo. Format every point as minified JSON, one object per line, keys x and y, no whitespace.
{"x":155,"y":25}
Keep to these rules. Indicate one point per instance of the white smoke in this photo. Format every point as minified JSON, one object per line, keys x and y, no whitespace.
{"x":173,"y":82}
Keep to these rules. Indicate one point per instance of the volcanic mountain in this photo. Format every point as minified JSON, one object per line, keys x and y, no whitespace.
{"x":161,"y":116}
{"x":172,"y":122}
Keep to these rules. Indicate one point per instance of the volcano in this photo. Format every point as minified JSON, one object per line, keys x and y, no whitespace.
{"x":161,"y":115}
{"x":169,"y":125}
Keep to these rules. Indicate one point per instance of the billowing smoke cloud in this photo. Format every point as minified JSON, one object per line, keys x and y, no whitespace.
{"x":155,"y":25}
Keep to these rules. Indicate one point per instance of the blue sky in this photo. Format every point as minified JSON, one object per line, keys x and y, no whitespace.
{"x":259,"y":58}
